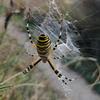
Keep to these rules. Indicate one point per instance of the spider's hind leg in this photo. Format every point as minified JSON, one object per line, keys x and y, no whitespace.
{"x":31,"y":66}
{"x":63,"y":78}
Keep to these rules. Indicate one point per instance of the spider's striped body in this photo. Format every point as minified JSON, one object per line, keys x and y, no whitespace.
{"x":43,"y":47}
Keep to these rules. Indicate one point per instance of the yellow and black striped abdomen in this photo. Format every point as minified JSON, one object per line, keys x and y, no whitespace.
{"x":43,"y":45}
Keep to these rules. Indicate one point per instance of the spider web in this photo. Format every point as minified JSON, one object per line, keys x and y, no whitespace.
{"x":78,"y":44}
{"x":50,"y":26}
{"x":73,"y":41}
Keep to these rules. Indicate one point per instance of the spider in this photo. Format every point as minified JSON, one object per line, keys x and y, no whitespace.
{"x":43,"y":47}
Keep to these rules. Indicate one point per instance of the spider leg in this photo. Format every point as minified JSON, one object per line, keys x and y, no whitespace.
{"x":63,"y":78}
{"x":60,"y":34}
{"x":27,"y":19}
{"x":23,"y":72}
{"x":29,"y":33}
{"x":29,"y":48}
{"x":31,"y":66}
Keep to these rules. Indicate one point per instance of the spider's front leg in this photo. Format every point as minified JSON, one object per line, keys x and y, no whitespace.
{"x":31,"y":66}
{"x":22,"y":72}
{"x":60,"y":34}
{"x":63,"y":78}
{"x":29,"y":33}
{"x":27,"y":19}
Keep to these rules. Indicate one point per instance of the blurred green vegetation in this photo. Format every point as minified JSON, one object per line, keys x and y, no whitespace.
{"x":97,"y":88}
{"x":88,"y":69}
{"x":19,"y":22}
{"x":2,"y":34}
{"x":2,"y":9}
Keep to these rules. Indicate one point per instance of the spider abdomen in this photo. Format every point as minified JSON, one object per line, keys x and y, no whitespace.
{"x":43,"y":47}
